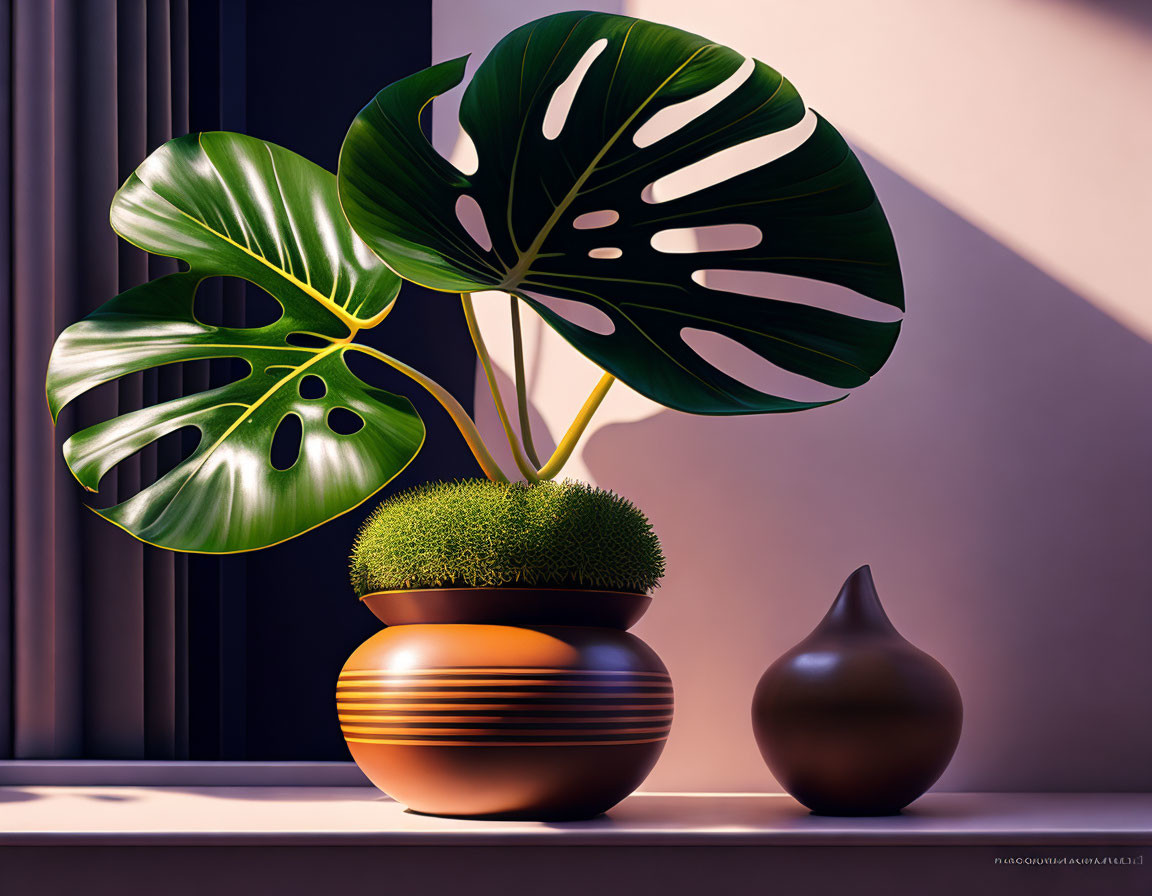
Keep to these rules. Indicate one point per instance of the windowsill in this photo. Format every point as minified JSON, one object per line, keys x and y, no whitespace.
{"x":177,"y":773}
{"x":333,"y":816}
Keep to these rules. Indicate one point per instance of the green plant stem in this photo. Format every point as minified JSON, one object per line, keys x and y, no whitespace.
{"x":576,"y":430}
{"x":526,"y":468}
{"x":464,"y":423}
{"x":521,"y":384}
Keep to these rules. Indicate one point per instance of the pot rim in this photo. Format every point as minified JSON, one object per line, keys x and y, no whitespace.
{"x":508,"y":605}
{"x":474,"y":588}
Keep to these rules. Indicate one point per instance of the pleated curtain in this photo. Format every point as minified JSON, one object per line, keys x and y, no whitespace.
{"x":92,"y":623}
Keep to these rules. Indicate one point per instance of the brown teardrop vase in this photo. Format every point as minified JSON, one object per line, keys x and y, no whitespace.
{"x":506,"y":703}
{"x":854,"y":720}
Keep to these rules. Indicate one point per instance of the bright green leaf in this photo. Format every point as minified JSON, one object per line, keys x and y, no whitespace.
{"x":231,"y":205}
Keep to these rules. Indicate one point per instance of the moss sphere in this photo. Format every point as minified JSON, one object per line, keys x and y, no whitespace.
{"x":489,"y":534}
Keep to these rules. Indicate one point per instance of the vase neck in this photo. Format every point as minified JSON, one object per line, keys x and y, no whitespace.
{"x":857,"y":608}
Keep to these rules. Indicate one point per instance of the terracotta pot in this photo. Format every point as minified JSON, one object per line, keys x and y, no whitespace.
{"x":505,"y":702}
{"x":854,"y":720}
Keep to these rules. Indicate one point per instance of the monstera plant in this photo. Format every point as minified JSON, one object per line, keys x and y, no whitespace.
{"x":332,"y":251}
{"x":579,"y":122}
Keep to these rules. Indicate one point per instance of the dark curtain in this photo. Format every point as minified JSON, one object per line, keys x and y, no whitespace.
{"x":109,"y":648}
{"x":92,"y":623}
{"x":311,"y":65}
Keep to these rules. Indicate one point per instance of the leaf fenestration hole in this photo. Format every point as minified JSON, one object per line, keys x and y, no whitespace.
{"x":605,"y":252}
{"x":167,"y":452}
{"x":307,"y":340}
{"x":711,"y":238}
{"x":731,"y":162}
{"x":286,"y":442}
{"x":741,"y":363}
{"x":595,"y":220}
{"x":232,"y":302}
{"x":579,"y":314}
{"x":344,"y":422}
{"x":312,"y":387}
{"x":670,"y":119}
{"x":802,"y":290}
{"x":181,"y":378}
{"x":561,"y":103}
{"x":471,"y":218}
{"x":465,"y":158}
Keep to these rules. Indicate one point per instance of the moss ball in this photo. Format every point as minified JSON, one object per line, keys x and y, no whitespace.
{"x":488,"y":534}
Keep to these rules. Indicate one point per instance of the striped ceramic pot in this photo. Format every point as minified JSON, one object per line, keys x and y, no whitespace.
{"x":506,"y":703}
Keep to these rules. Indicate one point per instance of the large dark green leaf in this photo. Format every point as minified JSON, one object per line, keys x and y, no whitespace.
{"x":232,"y":205}
{"x":815,"y":208}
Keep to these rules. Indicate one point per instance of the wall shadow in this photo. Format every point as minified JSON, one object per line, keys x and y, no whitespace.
{"x":489,"y":422}
{"x":1133,"y":13}
{"x":995,"y":474}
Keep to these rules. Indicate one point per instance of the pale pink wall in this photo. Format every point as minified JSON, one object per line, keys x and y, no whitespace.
{"x":996,"y":474}
{"x":1028,"y":117}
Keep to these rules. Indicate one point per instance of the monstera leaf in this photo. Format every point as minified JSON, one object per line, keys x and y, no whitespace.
{"x":231,"y":205}
{"x":815,"y":210}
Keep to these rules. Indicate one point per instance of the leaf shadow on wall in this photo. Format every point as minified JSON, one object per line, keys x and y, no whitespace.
{"x":542,"y":437}
{"x":995,"y":474}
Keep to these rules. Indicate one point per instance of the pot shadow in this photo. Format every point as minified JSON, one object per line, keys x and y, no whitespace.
{"x":510,"y":819}
{"x":996,"y":476}
{"x":15,"y":795}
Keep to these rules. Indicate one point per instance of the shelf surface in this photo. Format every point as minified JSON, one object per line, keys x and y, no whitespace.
{"x":363,"y":816}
